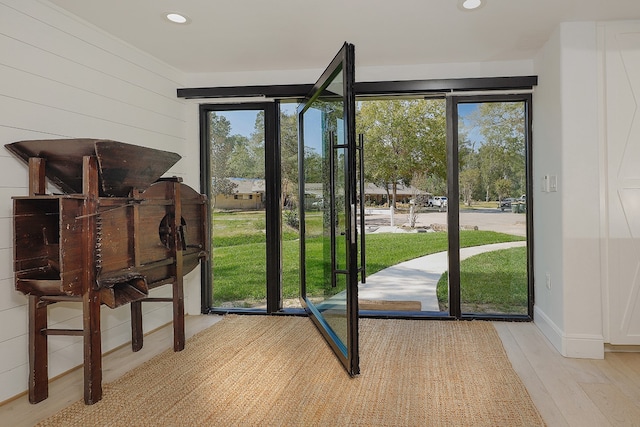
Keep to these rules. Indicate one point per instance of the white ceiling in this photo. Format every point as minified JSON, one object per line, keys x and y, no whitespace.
{"x":250,"y":35}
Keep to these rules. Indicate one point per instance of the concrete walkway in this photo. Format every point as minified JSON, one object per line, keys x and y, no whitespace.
{"x":416,"y":280}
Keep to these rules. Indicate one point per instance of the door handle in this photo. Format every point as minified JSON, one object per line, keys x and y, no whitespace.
{"x":353,"y":224}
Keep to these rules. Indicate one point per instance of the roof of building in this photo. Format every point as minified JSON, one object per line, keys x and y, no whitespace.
{"x":248,"y":186}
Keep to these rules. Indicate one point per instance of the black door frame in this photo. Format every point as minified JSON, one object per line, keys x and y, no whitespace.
{"x":346,"y":350}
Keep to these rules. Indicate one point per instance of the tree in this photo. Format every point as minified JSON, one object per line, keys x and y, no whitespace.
{"x":492,"y":166}
{"x":289,"y":158}
{"x":432,"y":184}
{"x":247,"y":156}
{"x":402,"y":138}
{"x":221,"y":148}
{"x":243,"y":161}
{"x":469,"y":180}
{"x":501,"y":153}
{"x":313,"y":165}
{"x":503,"y":188}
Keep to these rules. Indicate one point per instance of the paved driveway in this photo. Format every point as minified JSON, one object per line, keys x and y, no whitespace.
{"x":484,"y":219}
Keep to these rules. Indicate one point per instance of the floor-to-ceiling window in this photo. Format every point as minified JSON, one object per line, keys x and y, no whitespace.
{"x":492,"y":144}
{"x":237,"y":151}
{"x":465,"y":198}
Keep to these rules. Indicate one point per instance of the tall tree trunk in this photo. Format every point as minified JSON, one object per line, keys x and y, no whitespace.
{"x":395,"y":191}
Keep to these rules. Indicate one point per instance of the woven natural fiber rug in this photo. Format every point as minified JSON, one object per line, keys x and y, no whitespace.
{"x":278,"y":371}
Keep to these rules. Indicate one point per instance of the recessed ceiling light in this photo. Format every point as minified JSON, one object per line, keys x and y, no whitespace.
{"x":177,"y":18}
{"x":470,"y":4}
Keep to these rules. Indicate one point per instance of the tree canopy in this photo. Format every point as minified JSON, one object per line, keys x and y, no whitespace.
{"x":404,"y":143}
{"x":498,"y":151}
{"x":221,"y":147}
{"x":403,"y":139}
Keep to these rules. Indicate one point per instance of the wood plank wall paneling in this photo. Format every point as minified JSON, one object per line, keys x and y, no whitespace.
{"x":66,"y":78}
{"x":9,"y":298}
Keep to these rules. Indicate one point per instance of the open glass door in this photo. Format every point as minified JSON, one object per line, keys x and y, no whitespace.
{"x":329,"y":208}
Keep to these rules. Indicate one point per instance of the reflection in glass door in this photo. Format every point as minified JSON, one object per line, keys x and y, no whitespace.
{"x":328,"y":201}
{"x":493,"y":145}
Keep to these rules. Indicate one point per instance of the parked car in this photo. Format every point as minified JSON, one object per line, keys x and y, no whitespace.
{"x":505,"y":203}
{"x":438,"y":201}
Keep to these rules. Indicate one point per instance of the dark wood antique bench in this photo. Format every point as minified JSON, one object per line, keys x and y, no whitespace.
{"x":117,"y":231}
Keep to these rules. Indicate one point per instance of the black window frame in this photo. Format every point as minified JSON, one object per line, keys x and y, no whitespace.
{"x":453,"y":212}
{"x":468,"y":89}
{"x":273,"y":212}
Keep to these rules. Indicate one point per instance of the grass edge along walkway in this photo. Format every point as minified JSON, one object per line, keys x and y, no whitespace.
{"x":240,"y":270}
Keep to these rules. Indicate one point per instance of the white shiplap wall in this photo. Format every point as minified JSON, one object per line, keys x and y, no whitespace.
{"x":63,"y":78}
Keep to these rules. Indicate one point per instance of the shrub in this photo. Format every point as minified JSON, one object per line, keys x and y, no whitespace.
{"x":291,"y":218}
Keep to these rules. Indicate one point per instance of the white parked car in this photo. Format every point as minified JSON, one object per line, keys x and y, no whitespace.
{"x":438,"y":201}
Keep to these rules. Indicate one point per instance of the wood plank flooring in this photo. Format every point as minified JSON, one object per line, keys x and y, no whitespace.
{"x":574,"y":392}
{"x":567,"y":392}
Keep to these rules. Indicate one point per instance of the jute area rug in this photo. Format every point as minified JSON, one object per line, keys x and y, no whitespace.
{"x":278,"y":371}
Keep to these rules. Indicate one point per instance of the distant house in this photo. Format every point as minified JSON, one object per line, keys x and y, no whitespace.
{"x":313,"y":197}
{"x":247,"y":195}
{"x":373,"y":195}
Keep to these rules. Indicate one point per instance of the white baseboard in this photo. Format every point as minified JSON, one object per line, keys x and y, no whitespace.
{"x":581,"y":346}
{"x":548,"y":328}
{"x":584,"y":346}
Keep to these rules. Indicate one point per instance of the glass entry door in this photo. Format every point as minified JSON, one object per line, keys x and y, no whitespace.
{"x":329,"y":208}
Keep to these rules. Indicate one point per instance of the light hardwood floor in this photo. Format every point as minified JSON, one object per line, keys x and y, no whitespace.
{"x":574,"y":392}
{"x":567,"y":392}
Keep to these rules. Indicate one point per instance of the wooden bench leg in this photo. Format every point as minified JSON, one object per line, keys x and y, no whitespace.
{"x":178,"y":314}
{"x":137,"y":338}
{"x":92,"y":347}
{"x":178,"y":246}
{"x":38,"y":358}
{"x":90,"y":296}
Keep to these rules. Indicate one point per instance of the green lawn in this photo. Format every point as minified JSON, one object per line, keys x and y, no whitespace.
{"x":491,"y":282}
{"x":239,"y":262}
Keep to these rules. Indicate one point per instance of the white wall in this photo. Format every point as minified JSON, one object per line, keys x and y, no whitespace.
{"x":62,"y":78}
{"x":567,"y":221}
{"x":581,"y":191}
{"x":548,"y":207}
{"x":587,"y":233}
